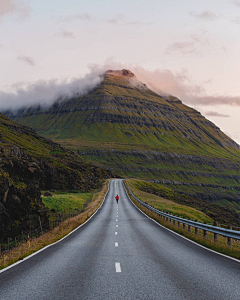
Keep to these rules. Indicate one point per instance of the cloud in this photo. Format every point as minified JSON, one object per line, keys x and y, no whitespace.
{"x":139,"y":23}
{"x":182,"y":47}
{"x":188,"y":47}
{"x":76,"y":17}
{"x":10,"y":6}
{"x":206,"y":15}
{"x":65,"y":34}
{"x":213,"y":100}
{"x":237,"y":3}
{"x":236,"y":21}
{"x":162,"y":82}
{"x":215,"y":114}
{"x":45,"y":93}
{"x":116,"y":19}
{"x":119,"y":19}
{"x":26,"y":59}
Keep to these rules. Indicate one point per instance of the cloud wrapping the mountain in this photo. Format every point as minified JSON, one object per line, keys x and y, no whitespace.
{"x":160,"y":81}
{"x":45,"y":93}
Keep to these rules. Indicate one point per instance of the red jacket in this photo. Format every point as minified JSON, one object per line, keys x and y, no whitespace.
{"x":117,"y":197}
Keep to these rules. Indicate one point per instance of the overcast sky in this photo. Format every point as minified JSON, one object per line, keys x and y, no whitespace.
{"x":189,"y":48}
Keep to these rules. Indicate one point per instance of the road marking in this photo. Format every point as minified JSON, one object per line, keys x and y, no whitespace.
{"x":115,"y":232}
{"x":116,"y":244}
{"x":118,"y":267}
{"x":116,"y":225}
{"x":37,"y":252}
{"x":116,"y":220}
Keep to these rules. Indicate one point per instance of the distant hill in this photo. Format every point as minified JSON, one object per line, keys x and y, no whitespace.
{"x":29,"y":163}
{"x":126,"y":127}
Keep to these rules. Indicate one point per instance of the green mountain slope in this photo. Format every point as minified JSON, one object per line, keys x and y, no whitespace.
{"x":125,"y":126}
{"x":29,"y":163}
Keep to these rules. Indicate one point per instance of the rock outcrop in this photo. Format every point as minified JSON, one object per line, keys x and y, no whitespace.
{"x":28,"y":164}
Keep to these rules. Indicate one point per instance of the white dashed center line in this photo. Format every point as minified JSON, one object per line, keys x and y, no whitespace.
{"x":115,"y":232}
{"x":116,"y":220}
{"x":116,"y":244}
{"x":116,"y":225}
{"x":118,"y":267}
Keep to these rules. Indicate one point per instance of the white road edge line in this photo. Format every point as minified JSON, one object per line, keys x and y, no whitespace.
{"x":232,"y":258}
{"x":35,"y":253}
{"x":116,"y":244}
{"x":118,"y":267}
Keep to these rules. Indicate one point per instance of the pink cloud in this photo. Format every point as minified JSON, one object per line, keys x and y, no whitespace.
{"x":65,"y":34}
{"x":206,"y":15}
{"x":182,"y":47}
{"x":215,"y":114}
{"x":26,"y":59}
{"x":10,"y":6}
{"x":76,"y":17}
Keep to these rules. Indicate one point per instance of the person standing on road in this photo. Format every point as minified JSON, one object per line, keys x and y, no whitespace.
{"x":117,"y":197}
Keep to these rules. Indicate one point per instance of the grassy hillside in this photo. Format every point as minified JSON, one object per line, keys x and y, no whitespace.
{"x":65,"y":201}
{"x":125,"y":127}
{"x":181,"y":204}
{"x":30,"y":163}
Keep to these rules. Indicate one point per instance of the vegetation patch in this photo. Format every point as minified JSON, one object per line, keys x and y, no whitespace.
{"x":165,"y":204}
{"x":145,"y":190}
{"x":64,"y":201}
{"x":207,"y":241}
{"x":23,"y":250}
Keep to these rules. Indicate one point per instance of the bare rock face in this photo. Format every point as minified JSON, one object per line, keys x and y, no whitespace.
{"x":48,"y":194}
{"x":122,"y":72}
{"x":28,"y":164}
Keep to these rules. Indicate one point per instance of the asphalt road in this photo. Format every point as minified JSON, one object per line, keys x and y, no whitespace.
{"x":122,"y":254}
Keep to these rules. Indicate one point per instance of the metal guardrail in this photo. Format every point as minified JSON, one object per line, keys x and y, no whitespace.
{"x":217,"y":230}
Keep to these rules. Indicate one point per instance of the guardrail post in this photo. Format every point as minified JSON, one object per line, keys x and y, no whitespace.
{"x":215,"y":234}
{"x":196,"y":229}
{"x":189,"y":228}
{"x":183,"y":225}
{"x":229,"y":239}
{"x":170,"y":220}
{"x":178,"y":224}
{"x":205,"y":232}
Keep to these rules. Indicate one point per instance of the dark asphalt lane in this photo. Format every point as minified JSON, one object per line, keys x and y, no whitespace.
{"x":122,"y":254}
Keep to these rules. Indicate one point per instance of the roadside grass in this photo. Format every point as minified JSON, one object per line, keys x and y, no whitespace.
{"x":64,"y":201}
{"x":208,"y":241}
{"x":218,"y":213}
{"x":166,"y":205}
{"x":23,"y":250}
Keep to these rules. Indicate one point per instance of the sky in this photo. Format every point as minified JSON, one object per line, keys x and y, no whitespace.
{"x":186,"y":48}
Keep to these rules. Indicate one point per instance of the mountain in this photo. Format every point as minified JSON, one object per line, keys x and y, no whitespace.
{"x":29,"y":163}
{"x":124,"y":126}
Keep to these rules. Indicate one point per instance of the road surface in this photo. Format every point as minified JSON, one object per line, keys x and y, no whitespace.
{"x":122,"y":254}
